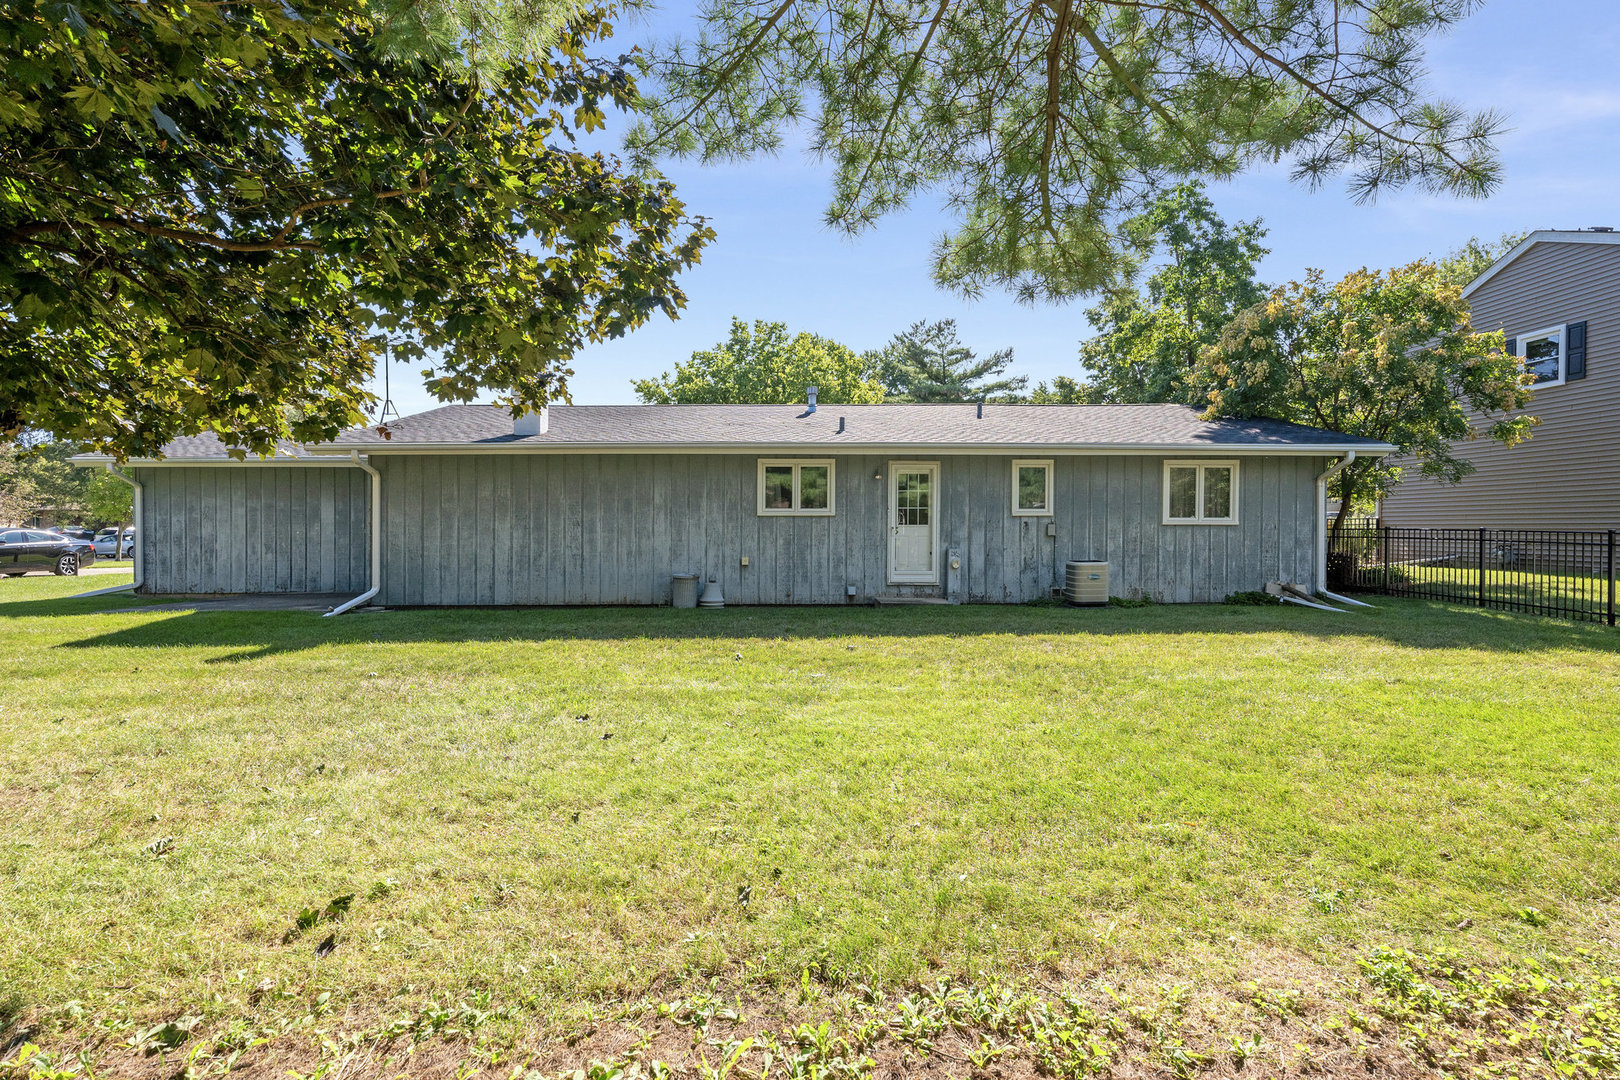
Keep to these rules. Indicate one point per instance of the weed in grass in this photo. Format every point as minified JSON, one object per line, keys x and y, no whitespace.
{"x":1244,"y":1047}
{"x":1327,"y":901}
{"x":162,"y":1037}
{"x":1283,"y":1001}
{"x":1533,"y":916}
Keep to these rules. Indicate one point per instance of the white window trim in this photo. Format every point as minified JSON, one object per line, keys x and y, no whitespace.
{"x":1198,"y":503}
{"x":794,"y":510}
{"x":1032,"y":463}
{"x":1521,"y":342}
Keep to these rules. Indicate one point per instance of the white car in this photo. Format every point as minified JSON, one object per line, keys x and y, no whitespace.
{"x":108,"y":547}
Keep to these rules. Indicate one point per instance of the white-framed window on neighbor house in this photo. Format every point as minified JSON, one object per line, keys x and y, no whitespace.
{"x":1200,"y":492}
{"x":1032,"y":488}
{"x":1544,"y":356}
{"x":796,"y":486}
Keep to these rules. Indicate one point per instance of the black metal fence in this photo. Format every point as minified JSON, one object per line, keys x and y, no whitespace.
{"x":1569,"y":575}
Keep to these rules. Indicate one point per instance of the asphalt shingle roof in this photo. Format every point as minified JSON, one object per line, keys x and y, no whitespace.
{"x":831,"y":426}
{"x":204,"y":447}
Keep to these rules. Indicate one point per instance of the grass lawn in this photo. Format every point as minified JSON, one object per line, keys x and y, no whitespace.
{"x":1199,"y":838}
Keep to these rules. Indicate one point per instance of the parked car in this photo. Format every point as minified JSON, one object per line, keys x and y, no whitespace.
{"x":22,"y":550}
{"x":76,"y":534}
{"x":108,"y":546}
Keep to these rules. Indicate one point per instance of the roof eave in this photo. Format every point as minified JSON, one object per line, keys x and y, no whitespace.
{"x":525,"y":446}
{"x":1551,"y":236}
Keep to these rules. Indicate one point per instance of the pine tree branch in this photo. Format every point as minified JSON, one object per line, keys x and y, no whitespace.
{"x":1316,"y":89}
{"x":1054,"y":82}
{"x":727,"y":72}
{"x":900,"y":97}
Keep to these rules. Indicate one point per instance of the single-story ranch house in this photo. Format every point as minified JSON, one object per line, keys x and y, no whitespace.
{"x":779,"y":504}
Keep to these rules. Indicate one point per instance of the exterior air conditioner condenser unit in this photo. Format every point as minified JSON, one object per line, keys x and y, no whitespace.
{"x":1085,"y":583}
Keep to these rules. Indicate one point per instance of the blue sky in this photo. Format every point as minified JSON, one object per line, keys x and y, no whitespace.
{"x":1549,"y":65}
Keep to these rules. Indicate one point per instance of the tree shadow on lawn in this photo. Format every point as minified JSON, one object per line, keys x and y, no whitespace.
{"x":253,"y":634}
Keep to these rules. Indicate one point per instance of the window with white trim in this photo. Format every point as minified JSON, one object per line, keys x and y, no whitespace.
{"x":1200,"y":492}
{"x":1032,"y":489}
{"x":1543,"y":353}
{"x":796,"y":486}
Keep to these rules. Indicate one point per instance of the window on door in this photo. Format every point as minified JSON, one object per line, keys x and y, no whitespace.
{"x":913,"y":497}
{"x":795,"y":487}
{"x":1200,"y":492}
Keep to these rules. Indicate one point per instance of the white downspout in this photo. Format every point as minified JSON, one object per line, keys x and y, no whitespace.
{"x":376,"y":538}
{"x":1322,"y":528}
{"x":140,"y":541}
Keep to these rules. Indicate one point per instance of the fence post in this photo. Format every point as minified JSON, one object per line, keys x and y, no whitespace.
{"x":1481,"y":598}
{"x":1384,"y":546}
{"x":1611,"y":577}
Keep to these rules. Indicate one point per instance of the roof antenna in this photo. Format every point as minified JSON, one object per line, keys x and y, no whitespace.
{"x":388,"y":406}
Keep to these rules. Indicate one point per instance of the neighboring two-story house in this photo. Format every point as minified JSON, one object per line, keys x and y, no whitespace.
{"x":1556,"y":297}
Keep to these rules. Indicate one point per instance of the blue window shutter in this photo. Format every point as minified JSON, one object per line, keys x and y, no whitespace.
{"x":1511,"y":346}
{"x":1575,"y":351}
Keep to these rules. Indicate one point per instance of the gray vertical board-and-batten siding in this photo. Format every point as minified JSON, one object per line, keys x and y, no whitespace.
{"x":251,"y":528}
{"x":581,"y":529}
{"x":1567,"y":475}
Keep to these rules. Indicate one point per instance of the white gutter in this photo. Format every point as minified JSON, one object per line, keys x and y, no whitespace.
{"x":140,"y":540}
{"x":376,"y":538}
{"x":1321,"y":517}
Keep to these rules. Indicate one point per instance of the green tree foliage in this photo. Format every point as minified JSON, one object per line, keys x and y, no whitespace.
{"x":36,"y":478}
{"x":18,"y":493}
{"x":764,"y":364}
{"x":1060,"y":391}
{"x":1390,"y":356}
{"x":106,"y":500}
{"x":1149,"y":339}
{"x":1472,"y":259}
{"x":1043,"y":125}
{"x":210,"y":211}
{"x":927,"y":363}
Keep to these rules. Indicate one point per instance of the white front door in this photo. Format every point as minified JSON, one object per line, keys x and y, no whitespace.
{"x":913,"y":523}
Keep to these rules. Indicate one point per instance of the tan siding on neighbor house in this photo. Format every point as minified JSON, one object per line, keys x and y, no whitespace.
{"x":1567,"y":476}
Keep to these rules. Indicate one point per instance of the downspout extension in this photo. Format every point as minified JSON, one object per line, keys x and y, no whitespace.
{"x":140,"y":535}
{"x":1321,"y":517}
{"x":376,"y":538}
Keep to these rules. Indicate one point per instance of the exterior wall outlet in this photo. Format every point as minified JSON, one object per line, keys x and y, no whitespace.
{"x":745,"y":560}
{"x":1051,"y":528}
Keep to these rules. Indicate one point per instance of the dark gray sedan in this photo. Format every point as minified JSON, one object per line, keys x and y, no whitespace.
{"x":22,"y":550}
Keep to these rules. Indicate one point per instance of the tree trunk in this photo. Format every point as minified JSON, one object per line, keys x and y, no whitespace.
{"x":1348,"y":482}
{"x":118,"y":543}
